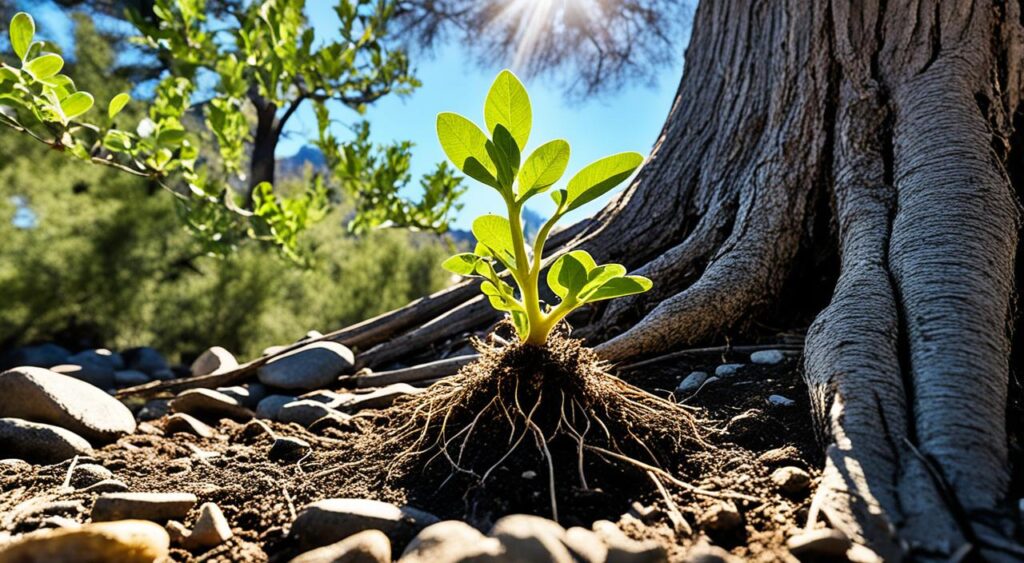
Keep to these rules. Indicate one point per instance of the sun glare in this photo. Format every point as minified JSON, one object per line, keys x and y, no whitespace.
{"x":532,"y":19}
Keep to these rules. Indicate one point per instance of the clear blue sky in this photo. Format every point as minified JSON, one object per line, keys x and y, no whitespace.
{"x":629,"y":119}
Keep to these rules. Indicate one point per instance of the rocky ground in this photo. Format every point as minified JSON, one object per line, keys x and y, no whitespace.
{"x":268,"y":470}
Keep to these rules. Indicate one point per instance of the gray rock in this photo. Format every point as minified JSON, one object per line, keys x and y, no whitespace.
{"x":767,"y":357}
{"x":158,"y":507}
{"x":213,"y":360}
{"x":145,"y":359}
{"x":310,"y":367}
{"x":826,"y":543}
{"x":255,"y":431}
{"x":248,"y":396}
{"x":154,"y":409}
{"x":531,"y":538}
{"x":305,"y":413}
{"x":41,"y":395}
{"x":727,"y":370}
{"x":381,"y":398}
{"x":791,"y":479}
{"x":124,"y":542}
{"x":585,"y":545}
{"x":130,"y":378}
{"x":187,"y":424}
{"x":780,"y":401}
{"x":13,"y":464}
{"x":207,"y":403}
{"x":107,"y":486}
{"x":40,"y":443}
{"x":42,"y":356}
{"x":368,"y":546}
{"x":288,"y":449}
{"x":89,"y":474}
{"x":98,"y":357}
{"x":331,"y":520}
{"x":97,"y":376}
{"x":451,"y":541}
{"x":165,"y":374}
{"x":270,"y":406}
{"x":328,"y":398}
{"x":722,"y":517}
{"x":692,"y":382}
{"x":210,"y":530}
{"x":623,"y":549}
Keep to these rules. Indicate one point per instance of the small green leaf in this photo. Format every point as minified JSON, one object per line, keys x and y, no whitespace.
{"x":44,"y":66}
{"x":461,"y":264}
{"x":599,"y":275}
{"x":543,"y":168}
{"x":508,"y":104}
{"x":117,"y":104}
{"x":466,"y":146}
{"x":521,"y":322}
{"x":505,"y":154}
{"x":599,"y":177}
{"x":170,"y":137}
{"x":620,"y":287}
{"x":117,"y":141}
{"x":76,"y":104}
{"x":495,"y":232}
{"x":23,"y":28}
{"x":568,"y":274}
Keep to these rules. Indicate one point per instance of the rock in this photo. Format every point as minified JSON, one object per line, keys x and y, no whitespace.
{"x":451,"y":541}
{"x":309,"y":367}
{"x":531,"y":538}
{"x":145,"y":359}
{"x":727,"y":370}
{"x":99,"y":357}
{"x":97,"y":376}
{"x":368,"y":546}
{"x":89,"y":474}
{"x":585,"y":545}
{"x":288,"y":449}
{"x":126,"y":541}
{"x":130,"y":378}
{"x":791,"y":479}
{"x":381,"y":398}
{"x":780,"y":401}
{"x":178,"y":532}
{"x":255,"y":431}
{"x":154,"y":409}
{"x":213,"y":360}
{"x":210,"y":530}
{"x":767,"y":357}
{"x":623,"y":549}
{"x":12,"y":464}
{"x":242,"y":394}
{"x":328,"y":398}
{"x":825,"y":543}
{"x":187,"y":424}
{"x":722,"y":517}
{"x":692,"y":382}
{"x":107,"y":486}
{"x":143,"y":506}
{"x":305,"y":413}
{"x":207,"y":403}
{"x":165,"y":374}
{"x":42,"y":356}
{"x":40,"y":443}
{"x":270,"y":406}
{"x":41,"y":395}
{"x":331,"y":520}
{"x":336,"y":421}
{"x":705,"y":553}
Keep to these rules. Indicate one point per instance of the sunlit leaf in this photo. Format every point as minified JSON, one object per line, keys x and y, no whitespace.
{"x":461,"y":264}
{"x":568,"y":274}
{"x":495,"y":233}
{"x":23,"y":28}
{"x":117,"y":104}
{"x":598,"y":178}
{"x":466,"y":146}
{"x":620,"y":287}
{"x":44,"y":66}
{"x":543,"y":168}
{"x":508,"y":104}
{"x":76,"y":104}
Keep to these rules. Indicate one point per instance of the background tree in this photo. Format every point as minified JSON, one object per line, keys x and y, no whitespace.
{"x":867,"y":150}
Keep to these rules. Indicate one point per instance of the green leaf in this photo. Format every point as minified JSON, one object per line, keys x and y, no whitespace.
{"x":505,"y":154}
{"x":599,"y":275}
{"x":508,"y":104}
{"x":466,"y":146}
{"x":23,"y":28}
{"x":568,"y":274}
{"x":170,"y":137}
{"x":500,"y":296}
{"x":543,"y":168}
{"x":495,"y":232}
{"x":462,"y":264}
{"x":117,"y":141}
{"x":44,"y":66}
{"x":619,"y":287}
{"x":598,"y":178}
{"x":521,"y":322}
{"x":117,"y":104}
{"x":76,"y":104}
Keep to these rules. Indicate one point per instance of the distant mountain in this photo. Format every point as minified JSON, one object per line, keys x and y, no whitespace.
{"x":294,"y":165}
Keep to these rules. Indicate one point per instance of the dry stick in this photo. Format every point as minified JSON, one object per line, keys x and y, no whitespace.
{"x":672,"y":479}
{"x":712,"y":350}
{"x":679,"y":524}
{"x":422,"y":372}
{"x":71,"y":469}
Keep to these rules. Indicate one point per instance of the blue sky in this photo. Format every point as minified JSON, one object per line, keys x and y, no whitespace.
{"x":629,"y":119}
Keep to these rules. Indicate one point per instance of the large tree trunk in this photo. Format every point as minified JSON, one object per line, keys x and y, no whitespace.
{"x":891,"y":124}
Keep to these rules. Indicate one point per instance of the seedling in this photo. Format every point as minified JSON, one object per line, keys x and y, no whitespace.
{"x":495,"y":160}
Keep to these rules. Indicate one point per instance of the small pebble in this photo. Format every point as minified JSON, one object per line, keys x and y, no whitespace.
{"x":210,"y":530}
{"x":125,"y":541}
{"x":721,"y":517}
{"x":255,"y":431}
{"x":107,"y":486}
{"x":727,"y":370}
{"x":288,"y":449}
{"x":767,"y":357}
{"x":692,"y":382}
{"x":824,"y":543}
{"x":89,"y":474}
{"x":187,"y":424}
{"x":791,"y":479}
{"x":142,"y":506}
{"x":780,"y":401}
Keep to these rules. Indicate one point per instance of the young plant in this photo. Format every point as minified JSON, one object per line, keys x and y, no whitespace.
{"x":495,"y":159}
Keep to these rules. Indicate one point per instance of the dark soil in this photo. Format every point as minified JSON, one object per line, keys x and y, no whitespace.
{"x":741,"y":440}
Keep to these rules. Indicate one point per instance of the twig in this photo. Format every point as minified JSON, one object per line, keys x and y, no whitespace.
{"x":712,"y":350}
{"x":422,"y":372}
{"x":67,"y":477}
{"x":679,"y":524}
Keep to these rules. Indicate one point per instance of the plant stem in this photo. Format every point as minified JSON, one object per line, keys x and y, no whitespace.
{"x":528,"y":274}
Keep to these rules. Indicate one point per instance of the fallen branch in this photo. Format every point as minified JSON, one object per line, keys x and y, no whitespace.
{"x":422,"y":372}
{"x":727,"y":349}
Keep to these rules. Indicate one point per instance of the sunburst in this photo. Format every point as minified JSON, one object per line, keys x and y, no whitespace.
{"x":532,"y":20}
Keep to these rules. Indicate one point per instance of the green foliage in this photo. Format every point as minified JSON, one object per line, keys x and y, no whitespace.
{"x":494,"y":159}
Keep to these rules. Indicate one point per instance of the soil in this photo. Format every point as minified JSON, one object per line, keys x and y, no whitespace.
{"x":741,"y":439}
